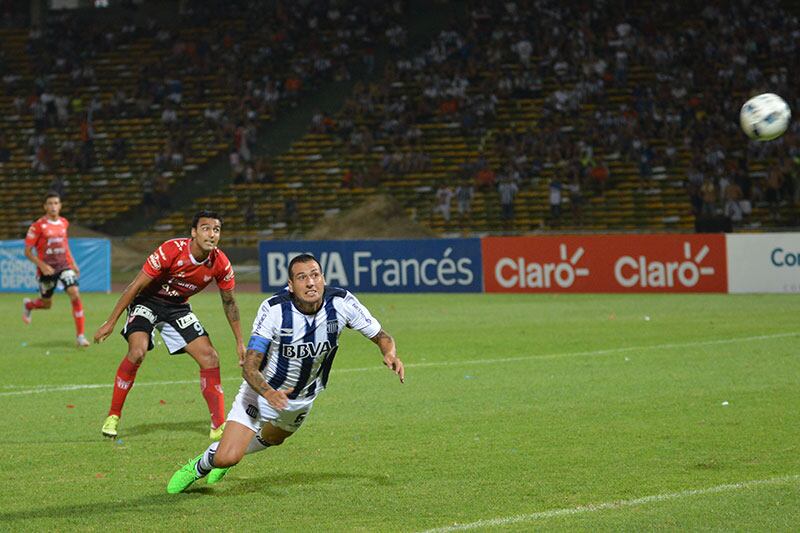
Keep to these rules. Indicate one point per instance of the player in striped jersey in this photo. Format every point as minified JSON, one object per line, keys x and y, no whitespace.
{"x":294,"y":341}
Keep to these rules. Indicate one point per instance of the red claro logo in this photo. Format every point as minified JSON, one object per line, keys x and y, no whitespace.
{"x":523,"y":273}
{"x":605,"y":263}
{"x":641,"y":271}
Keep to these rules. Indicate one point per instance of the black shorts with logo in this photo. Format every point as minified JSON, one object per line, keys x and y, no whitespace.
{"x":177,"y":323}
{"x":48,"y":284}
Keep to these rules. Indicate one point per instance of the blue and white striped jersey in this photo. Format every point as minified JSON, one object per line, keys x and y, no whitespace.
{"x":299,"y":348}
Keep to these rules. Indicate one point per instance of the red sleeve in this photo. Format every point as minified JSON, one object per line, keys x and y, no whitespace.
{"x":32,"y":237}
{"x":224,"y":275}
{"x":157,"y":262}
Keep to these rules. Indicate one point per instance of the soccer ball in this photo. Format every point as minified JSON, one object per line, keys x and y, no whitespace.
{"x":765,"y":117}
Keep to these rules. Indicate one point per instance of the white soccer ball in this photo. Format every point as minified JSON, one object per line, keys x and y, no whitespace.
{"x":765,"y":117}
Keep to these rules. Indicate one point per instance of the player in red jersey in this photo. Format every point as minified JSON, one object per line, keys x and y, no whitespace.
{"x":46,"y":246}
{"x":158,"y":299}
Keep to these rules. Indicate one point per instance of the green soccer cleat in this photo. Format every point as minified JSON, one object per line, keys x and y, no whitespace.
{"x":110,"y":426}
{"x":216,"y":475}
{"x":183,"y":478}
{"x":216,"y":433}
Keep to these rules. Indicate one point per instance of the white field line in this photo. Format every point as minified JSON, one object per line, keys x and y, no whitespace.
{"x":669,"y":346}
{"x":619,"y":504}
{"x":89,"y":386}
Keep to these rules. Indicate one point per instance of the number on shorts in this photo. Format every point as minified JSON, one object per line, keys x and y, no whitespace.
{"x":68,"y":277}
{"x":198,"y":328}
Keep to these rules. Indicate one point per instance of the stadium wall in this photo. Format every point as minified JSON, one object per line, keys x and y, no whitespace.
{"x":93,"y":256}
{"x":421,"y":265}
{"x":605,"y":263}
{"x":764,"y":263}
{"x":692,"y":263}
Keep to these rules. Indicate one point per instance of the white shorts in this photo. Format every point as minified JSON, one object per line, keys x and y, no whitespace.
{"x":252,"y":410}
{"x":174,"y":339}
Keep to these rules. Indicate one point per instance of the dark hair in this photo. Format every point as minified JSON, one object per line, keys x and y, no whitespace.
{"x":205,"y":213}
{"x":302,"y":258}
{"x":52,"y":194}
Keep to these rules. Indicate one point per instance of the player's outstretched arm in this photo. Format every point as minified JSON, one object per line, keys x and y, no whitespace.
{"x":232,"y":314}
{"x":387,"y":346}
{"x":254,"y":378}
{"x":125,"y":299}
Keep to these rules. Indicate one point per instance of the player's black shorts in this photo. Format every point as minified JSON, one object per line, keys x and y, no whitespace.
{"x":48,"y":284}
{"x":176,"y":323}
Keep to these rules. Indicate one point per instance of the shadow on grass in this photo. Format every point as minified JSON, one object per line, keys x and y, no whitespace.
{"x":194,"y":426}
{"x":238,"y":487}
{"x":84,"y":513}
{"x":53,"y":345}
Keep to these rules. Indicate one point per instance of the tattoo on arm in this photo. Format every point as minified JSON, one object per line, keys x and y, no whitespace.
{"x":230,"y":307}
{"x":385,"y":343}
{"x":250,"y":372}
{"x":380,"y":337}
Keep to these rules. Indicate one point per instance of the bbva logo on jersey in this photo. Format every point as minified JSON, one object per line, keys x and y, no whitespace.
{"x":305,"y":349}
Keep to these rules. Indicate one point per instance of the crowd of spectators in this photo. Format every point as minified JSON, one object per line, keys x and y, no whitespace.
{"x":241,"y":59}
{"x":705,"y":72}
{"x":677,"y":121}
{"x":582,"y":61}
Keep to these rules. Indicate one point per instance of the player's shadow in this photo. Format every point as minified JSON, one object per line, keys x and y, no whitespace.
{"x":53,"y":345}
{"x":72,"y":514}
{"x":193,"y":426}
{"x":239,"y":487}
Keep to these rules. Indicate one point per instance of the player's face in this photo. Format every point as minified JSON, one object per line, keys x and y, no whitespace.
{"x":52,"y":207}
{"x":207,"y":233}
{"x":307,"y":283}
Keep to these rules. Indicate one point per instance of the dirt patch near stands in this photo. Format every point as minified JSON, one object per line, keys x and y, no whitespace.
{"x":379,"y":217}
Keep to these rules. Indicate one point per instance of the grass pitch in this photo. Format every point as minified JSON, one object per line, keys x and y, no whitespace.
{"x":519,"y":412}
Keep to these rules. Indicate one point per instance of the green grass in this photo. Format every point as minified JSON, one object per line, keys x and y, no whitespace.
{"x":513,"y":405}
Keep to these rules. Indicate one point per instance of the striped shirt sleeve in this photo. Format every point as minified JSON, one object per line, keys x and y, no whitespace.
{"x":359,"y":317}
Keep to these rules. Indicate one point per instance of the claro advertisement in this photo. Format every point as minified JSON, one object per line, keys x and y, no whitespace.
{"x":425,"y":265}
{"x":605,"y":263}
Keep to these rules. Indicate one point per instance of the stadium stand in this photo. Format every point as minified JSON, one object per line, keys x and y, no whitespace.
{"x":115,"y":115}
{"x":604,"y":117}
{"x":620,"y":107}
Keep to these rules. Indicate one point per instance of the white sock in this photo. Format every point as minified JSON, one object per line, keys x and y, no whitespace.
{"x":206,"y":463}
{"x":257,"y":444}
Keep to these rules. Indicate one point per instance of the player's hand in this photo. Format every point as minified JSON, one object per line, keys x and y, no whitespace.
{"x":241,"y":351}
{"x":278,"y":398}
{"x":106,"y":328}
{"x":77,"y":270}
{"x":47,"y":270}
{"x":395,"y":365}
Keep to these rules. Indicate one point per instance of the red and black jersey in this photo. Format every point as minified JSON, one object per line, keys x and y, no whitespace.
{"x":49,"y":237}
{"x":177,"y":275}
